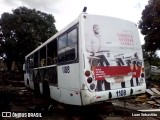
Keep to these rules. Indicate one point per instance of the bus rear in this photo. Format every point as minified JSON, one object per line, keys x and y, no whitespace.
{"x":113,"y":62}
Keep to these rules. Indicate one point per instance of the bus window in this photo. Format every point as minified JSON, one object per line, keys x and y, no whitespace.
{"x":31,"y":61}
{"x":52,"y":52}
{"x":27,"y":65}
{"x":71,"y":51}
{"x":43,"y":56}
{"x":61,"y":48}
{"x":35,"y":59}
{"x":67,"y":46}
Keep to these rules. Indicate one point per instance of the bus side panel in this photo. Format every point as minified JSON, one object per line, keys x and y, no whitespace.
{"x":28,"y":81}
{"x":71,"y":97}
{"x":54,"y":93}
{"x":68,"y":81}
{"x":68,"y":76}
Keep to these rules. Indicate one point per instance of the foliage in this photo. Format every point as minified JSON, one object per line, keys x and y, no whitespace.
{"x":148,"y":55}
{"x":22,"y":31}
{"x":150,"y":25}
{"x":156,"y":61}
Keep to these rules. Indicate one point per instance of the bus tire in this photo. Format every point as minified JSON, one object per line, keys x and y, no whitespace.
{"x":36,"y":88}
{"x":46,"y":90}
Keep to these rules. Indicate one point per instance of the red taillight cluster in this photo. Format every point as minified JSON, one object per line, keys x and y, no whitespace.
{"x":90,"y":80}
{"x":92,"y":86}
{"x":142,"y":75}
{"x":87,"y":73}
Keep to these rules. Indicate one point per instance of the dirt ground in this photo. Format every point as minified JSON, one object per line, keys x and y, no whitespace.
{"x":19,"y":99}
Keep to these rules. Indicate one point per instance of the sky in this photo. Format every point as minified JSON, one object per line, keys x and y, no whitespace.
{"x":65,"y":11}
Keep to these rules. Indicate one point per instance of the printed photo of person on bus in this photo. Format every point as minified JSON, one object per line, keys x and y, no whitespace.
{"x":96,"y":57}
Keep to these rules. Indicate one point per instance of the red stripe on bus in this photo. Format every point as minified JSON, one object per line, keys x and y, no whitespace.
{"x":110,"y":71}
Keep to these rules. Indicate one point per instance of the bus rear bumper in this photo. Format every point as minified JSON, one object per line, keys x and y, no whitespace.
{"x":93,"y":97}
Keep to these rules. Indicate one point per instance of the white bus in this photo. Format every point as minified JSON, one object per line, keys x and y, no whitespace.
{"x":93,"y":59}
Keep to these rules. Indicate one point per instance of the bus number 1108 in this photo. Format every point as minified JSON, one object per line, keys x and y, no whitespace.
{"x":121,"y":93}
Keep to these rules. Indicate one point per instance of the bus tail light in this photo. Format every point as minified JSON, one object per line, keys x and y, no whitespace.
{"x":142,"y":69}
{"x":87,"y":73}
{"x":89,"y":80}
{"x":92,"y":86}
{"x":142,"y":75}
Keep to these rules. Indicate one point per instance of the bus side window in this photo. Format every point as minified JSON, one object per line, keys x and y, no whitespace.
{"x":27,"y":65}
{"x":71,"y":51}
{"x":49,"y":61}
{"x":67,"y":46}
{"x":52,"y":52}
{"x":31,"y":61}
{"x":43,"y":62}
{"x":43,"y":56}
{"x":61,"y":48}
{"x":36,"y":59}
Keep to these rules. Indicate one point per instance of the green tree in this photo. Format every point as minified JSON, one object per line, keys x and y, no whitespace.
{"x":150,"y":26}
{"x":22,"y":31}
{"x":148,"y":55}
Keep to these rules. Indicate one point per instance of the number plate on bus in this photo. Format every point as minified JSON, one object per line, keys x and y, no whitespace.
{"x":119,"y":79}
{"x":121,"y":93}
